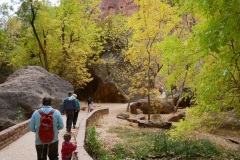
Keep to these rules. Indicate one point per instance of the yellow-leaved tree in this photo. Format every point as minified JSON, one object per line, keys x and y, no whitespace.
{"x":80,"y":40}
{"x":64,"y":38}
{"x":154,"y":21}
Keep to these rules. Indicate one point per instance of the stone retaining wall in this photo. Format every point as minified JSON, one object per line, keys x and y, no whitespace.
{"x":11,"y":134}
{"x":91,"y":119}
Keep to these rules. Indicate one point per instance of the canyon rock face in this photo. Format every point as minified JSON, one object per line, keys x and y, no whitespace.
{"x":23,"y":91}
{"x":126,"y":7}
{"x":102,"y":88}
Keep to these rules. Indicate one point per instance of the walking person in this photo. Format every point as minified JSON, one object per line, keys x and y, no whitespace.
{"x":75,"y":117}
{"x":91,"y":107}
{"x":69,"y":106}
{"x":67,"y":147}
{"x":46,"y":140}
{"x":89,"y":102}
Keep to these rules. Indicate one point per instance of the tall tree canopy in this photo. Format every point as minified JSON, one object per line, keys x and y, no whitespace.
{"x":212,"y":49}
{"x":192,"y":44}
{"x":64,"y":38}
{"x":150,"y":25}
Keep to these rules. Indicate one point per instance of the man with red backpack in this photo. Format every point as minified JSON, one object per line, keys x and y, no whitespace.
{"x":46,"y":122}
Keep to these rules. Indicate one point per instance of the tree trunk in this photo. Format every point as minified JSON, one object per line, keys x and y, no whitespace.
{"x":45,"y":60}
{"x":128,"y":106}
{"x":179,"y":99}
{"x":149,"y":106}
{"x":64,"y":51}
{"x":180,"y":95}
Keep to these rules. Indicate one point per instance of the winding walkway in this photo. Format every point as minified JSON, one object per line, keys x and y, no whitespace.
{"x":24,"y":147}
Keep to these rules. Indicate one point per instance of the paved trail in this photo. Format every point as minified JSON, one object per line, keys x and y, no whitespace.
{"x":24,"y":147}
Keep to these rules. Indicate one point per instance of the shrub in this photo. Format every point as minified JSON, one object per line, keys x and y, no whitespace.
{"x":93,"y":145}
{"x":187,"y":149}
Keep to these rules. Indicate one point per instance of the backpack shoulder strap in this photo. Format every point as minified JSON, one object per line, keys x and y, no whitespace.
{"x":52,"y":111}
{"x":42,"y":113}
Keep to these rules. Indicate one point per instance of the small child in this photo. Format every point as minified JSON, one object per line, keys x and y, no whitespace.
{"x":91,"y":107}
{"x":67,"y":147}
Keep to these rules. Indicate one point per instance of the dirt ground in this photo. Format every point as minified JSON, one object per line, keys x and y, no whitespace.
{"x":225,"y":138}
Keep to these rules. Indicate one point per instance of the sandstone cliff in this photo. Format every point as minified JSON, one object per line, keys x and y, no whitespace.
{"x":126,"y":7}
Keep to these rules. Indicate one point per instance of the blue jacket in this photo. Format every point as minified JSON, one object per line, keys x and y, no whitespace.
{"x":78,"y":105}
{"x":35,"y":123}
{"x":69,"y":103}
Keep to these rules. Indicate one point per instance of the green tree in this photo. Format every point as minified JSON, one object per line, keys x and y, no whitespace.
{"x":9,"y":33}
{"x":217,"y":52}
{"x":115,"y":35}
{"x":180,"y":64}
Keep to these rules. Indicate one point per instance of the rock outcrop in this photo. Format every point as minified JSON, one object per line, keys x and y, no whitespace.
{"x":23,"y":91}
{"x":126,"y":7}
{"x":2,"y":78}
{"x":102,"y":88}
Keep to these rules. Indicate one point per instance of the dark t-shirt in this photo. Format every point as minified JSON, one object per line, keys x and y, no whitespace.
{"x":89,"y":101}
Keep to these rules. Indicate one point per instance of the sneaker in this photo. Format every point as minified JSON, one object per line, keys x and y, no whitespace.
{"x":74,"y":127}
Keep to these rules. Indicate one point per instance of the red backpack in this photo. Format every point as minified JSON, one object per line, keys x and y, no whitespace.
{"x":46,"y":131}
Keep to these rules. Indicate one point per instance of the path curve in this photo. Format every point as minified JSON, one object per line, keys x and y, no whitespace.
{"x":24,"y":147}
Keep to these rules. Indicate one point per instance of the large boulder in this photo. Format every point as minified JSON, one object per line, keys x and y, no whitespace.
{"x":176,"y":117}
{"x":157,"y":107}
{"x":23,"y":91}
{"x":134,"y":107}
